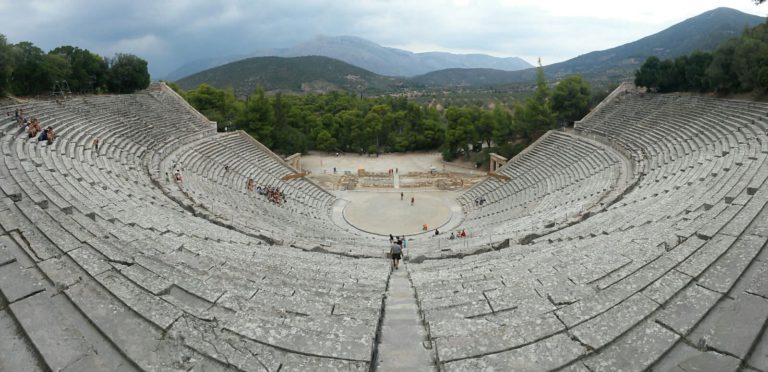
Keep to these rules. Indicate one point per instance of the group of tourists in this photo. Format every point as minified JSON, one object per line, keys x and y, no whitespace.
{"x":459,"y":234}
{"x":397,"y":248}
{"x":35,"y":130}
{"x":33,"y":127}
{"x":273,"y":194}
{"x":479,"y":201}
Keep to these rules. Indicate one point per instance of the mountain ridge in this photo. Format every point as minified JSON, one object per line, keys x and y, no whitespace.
{"x":307,"y":74}
{"x":365,"y":54}
{"x":703,"y":32}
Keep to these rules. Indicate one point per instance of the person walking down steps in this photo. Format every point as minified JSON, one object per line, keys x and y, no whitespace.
{"x":396,"y":250}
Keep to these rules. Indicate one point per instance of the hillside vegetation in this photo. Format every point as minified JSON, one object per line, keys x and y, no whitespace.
{"x":341,"y":121}
{"x":312,"y":74}
{"x":703,"y":32}
{"x":738,"y":65}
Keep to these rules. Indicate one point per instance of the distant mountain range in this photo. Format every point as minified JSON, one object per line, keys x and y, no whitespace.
{"x":703,"y":32}
{"x":368,"y":55}
{"x":320,"y":74}
{"x":312,"y":74}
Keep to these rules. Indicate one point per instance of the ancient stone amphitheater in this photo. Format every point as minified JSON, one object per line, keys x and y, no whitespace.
{"x":636,"y":241}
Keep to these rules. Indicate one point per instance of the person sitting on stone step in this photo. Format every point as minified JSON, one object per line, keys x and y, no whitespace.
{"x":33,"y":128}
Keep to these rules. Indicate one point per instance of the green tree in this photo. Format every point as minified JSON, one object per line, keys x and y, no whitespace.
{"x":372,"y":124}
{"x":696,"y":71}
{"x":503,"y":130}
{"x":750,"y":57}
{"x":30,"y":75}
{"x":485,"y":126}
{"x":88,"y":70}
{"x":536,"y":116}
{"x":325,"y":141}
{"x":127,"y":74}
{"x":461,"y":132}
{"x":721,"y":72}
{"x":570,"y":99}
{"x":219,"y":105}
{"x":648,"y":74}
{"x":6,"y":66}
{"x":258,"y":117}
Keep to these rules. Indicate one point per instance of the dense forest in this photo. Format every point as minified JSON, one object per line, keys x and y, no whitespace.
{"x":736,"y":66}
{"x":26,"y":70}
{"x":346,"y":122}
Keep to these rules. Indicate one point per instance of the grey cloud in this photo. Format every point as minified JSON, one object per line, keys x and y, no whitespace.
{"x":167,"y":33}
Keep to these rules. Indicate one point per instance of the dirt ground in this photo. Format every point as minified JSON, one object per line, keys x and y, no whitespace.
{"x":374,"y":204}
{"x":323,"y":163}
{"x":321,"y":166}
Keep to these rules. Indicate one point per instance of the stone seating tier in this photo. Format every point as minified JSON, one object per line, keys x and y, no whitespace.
{"x":666,"y":277}
{"x":645,"y":232}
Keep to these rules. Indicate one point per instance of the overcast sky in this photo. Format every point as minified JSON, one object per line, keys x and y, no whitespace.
{"x":168,"y":32}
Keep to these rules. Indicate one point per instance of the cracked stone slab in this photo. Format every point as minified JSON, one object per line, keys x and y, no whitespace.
{"x":63,"y":271}
{"x":637,"y":350}
{"x":709,"y":361}
{"x":295,"y":303}
{"x":468,"y":310}
{"x":299,"y":340}
{"x":743,"y":219}
{"x":150,"y":307}
{"x":666,"y":287}
{"x":581,"y":311}
{"x":708,"y":253}
{"x":454,"y":299}
{"x":711,"y":228}
{"x":6,"y":256}
{"x":17,"y":283}
{"x":601,"y":330}
{"x":300,"y":363}
{"x":759,"y":356}
{"x":512,"y":335}
{"x":24,"y":357}
{"x":90,"y":260}
{"x":188,"y":302}
{"x":458,"y":327}
{"x":109,"y":251}
{"x":38,"y":247}
{"x":759,"y":284}
{"x":148,"y":280}
{"x":687,"y":308}
{"x":728,"y":268}
{"x":226,"y":347}
{"x":8,"y":219}
{"x":566,"y":293}
{"x":137,"y":338}
{"x":71,"y":226}
{"x":759,"y":225}
{"x":681,"y":251}
{"x":50,"y":229}
{"x":58,"y":340}
{"x":548,"y":354}
{"x":522,"y":300}
{"x":733,"y":325}
{"x":242,"y":286}
{"x":179,"y":277}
